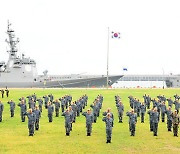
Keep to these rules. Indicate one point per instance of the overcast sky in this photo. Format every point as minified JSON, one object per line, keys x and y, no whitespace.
{"x":70,"y":36}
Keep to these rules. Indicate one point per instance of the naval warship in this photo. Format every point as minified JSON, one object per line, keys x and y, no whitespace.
{"x":21,"y":72}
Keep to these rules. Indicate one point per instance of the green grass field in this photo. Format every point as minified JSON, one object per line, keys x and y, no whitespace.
{"x":51,"y":136}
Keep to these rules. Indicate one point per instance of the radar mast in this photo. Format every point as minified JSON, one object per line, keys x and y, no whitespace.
{"x":12,"y":42}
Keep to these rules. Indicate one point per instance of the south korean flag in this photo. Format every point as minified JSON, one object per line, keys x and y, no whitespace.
{"x":116,"y":35}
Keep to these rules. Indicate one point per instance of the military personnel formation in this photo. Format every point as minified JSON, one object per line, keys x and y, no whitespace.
{"x":32,"y":106}
{"x":159,"y":109}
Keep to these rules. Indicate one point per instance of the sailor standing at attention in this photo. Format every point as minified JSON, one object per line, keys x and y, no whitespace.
{"x":23,"y":107}
{"x":155,"y":118}
{"x":2,"y":93}
{"x":176,"y":121}
{"x":31,"y":121}
{"x":68,"y":120}
{"x":12,"y":107}
{"x":1,"y":110}
{"x":50,"y":109}
{"x":89,"y":120}
{"x":108,"y":120}
{"x":132,"y":122}
{"x":7,"y":92}
{"x":37,"y":112}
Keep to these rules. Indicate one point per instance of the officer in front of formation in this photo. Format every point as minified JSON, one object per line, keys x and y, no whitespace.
{"x":7,"y":92}
{"x":23,"y":107}
{"x":31,"y":121}
{"x":1,"y":110}
{"x":132,"y":121}
{"x":12,"y":107}
{"x":108,"y":120}
{"x":89,"y":120}
{"x":175,"y":121}
{"x":2,"y":93}
{"x":50,"y":109}
{"x":68,"y":120}
{"x":37,"y":113}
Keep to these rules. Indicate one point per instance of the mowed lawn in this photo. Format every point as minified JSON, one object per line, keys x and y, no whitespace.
{"x":51,"y":136}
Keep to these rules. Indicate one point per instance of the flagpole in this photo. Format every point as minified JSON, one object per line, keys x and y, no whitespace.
{"x":108,"y":59}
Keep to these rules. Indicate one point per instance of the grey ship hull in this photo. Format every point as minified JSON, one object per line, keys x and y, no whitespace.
{"x":73,"y":83}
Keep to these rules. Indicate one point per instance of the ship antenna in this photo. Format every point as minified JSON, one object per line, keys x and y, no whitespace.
{"x":12,"y":42}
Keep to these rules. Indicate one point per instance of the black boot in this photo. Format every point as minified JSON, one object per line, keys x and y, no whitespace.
{"x":67,"y":134}
{"x":155,"y":134}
